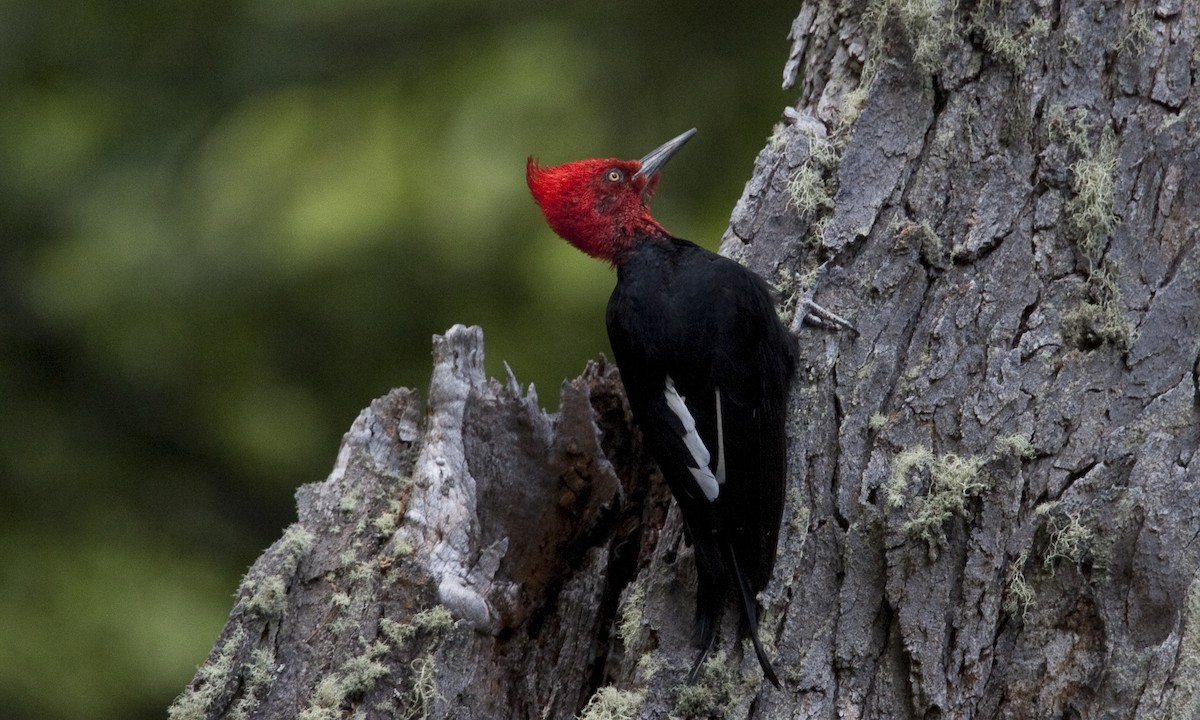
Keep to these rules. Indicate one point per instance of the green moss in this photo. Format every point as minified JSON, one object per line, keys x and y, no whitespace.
{"x":1070,"y":44}
{"x":213,"y":678}
{"x":267,"y":596}
{"x":1089,"y":212}
{"x":360,"y":572}
{"x":953,"y":480}
{"x":1092,"y":324}
{"x":345,"y":626}
{"x":609,"y":703}
{"x":209,"y":684}
{"x":326,"y":701}
{"x":854,"y":101}
{"x":262,"y":667}
{"x":695,"y":701}
{"x":1099,"y":316}
{"x":401,"y":547}
{"x":791,"y":287}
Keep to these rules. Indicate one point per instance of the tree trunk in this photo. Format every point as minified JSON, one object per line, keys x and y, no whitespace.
{"x":994,"y":490}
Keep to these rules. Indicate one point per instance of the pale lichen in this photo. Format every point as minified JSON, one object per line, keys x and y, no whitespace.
{"x":952,"y":481}
{"x":1099,"y":316}
{"x":931,"y":27}
{"x":268,"y":596}
{"x":1019,"y":595}
{"x":609,"y":703}
{"x":1089,"y":212}
{"x":799,"y":512}
{"x":210,"y":681}
{"x":1016,"y":445}
{"x":356,"y":676}
{"x":434,"y":622}
{"x":629,"y":629}
{"x":717,"y":690}
{"x":1013,"y":46}
{"x":417,"y":702}
{"x":810,"y":186}
{"x":1184,"y":700}
{"x":257,"y":678}
{"x":1070,"y":539}
{"x":436,"y":619}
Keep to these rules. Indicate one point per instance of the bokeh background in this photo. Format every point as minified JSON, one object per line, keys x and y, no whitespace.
{"x":226,"y":226}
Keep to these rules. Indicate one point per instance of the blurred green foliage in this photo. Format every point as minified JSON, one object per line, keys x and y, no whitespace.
{"x":227,"y":226}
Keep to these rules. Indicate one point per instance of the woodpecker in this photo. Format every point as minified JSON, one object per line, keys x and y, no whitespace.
{"x":706,"y":364}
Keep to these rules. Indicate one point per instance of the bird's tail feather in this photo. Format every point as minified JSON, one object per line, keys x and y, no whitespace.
{"x":711,"y":592}
{"x":750,"y":616}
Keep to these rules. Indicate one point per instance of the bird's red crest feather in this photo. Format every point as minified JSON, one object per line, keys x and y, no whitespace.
{"x":597,"y":205}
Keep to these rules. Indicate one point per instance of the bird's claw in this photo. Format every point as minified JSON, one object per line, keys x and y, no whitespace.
{"x":808,"y":310}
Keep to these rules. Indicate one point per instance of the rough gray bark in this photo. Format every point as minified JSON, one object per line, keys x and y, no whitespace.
{"x":994,"y":491}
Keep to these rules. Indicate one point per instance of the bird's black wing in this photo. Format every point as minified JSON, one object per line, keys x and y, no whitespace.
{"x":688,"y":323}
{"x":706,"y":364}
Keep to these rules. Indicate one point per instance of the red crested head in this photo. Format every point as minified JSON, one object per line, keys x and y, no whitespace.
{"x":601,"y":206}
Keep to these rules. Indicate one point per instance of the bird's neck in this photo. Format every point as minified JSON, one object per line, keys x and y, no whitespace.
{"x":637,"y":234}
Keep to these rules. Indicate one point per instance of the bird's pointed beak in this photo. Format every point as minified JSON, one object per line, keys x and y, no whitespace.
{"x":659,"y":156}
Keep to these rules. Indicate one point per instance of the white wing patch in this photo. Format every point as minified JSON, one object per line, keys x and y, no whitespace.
{"x":695,"y":445}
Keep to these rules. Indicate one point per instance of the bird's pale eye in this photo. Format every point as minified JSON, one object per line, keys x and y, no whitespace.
{"x":615,"y":175}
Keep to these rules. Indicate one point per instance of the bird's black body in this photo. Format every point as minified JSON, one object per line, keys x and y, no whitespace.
{"x":695,"y":334}
{"x":706,"y":365}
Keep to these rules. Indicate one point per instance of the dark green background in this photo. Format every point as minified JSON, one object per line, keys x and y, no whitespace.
{"x":226,"y":226}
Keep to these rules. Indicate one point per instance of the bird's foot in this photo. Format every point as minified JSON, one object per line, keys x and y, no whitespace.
{"x":810,"y":311}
